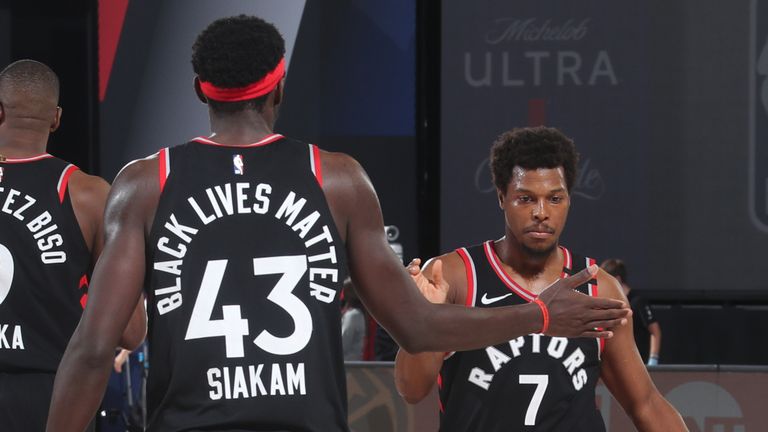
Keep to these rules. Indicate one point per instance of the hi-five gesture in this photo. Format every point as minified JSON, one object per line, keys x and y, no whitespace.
{"x":569,"y":312}
{"x":573,"y":314}
{"x":434,"y":290}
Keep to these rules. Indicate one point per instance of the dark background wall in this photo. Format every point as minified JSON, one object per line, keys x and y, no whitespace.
{"x":674,"y":170}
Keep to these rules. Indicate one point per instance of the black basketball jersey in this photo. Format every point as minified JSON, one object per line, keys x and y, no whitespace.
{"x":245,"y":268}
{"x":44,"y":264}
{"x":532,"y":383}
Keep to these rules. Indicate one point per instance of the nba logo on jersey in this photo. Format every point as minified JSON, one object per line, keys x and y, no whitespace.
{"x":1,"y":174}
{"x":237,"y":162}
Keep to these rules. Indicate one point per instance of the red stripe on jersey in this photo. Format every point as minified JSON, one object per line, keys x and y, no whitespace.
{"x":318,"y":167}
{"x":440,"y":381}
{"x":64,"y":180}
{"x":440,"y":404}
{"x":83,"y":285}
{"x":567,"y":258}
{"x":468,"y":268}
{"x":264,"y":141}
{"x":162,"y":172}
{"x":495,"y":262}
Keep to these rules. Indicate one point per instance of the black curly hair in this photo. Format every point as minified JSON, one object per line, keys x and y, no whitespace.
{"x":532,"y":148}
{"x":234,"y":52}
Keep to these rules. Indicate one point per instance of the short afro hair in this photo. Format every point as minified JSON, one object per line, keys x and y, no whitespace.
{"x":532,"y":148}
{"x":31,"y":79}
{"x":234,"y":52}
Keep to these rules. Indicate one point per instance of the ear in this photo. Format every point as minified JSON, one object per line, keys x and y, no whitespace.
{"x":500,"y":196}
{"x":279,"y":92}
{"x":2,"y":113}
{"x":56,"y":119}
{"x":199,"y":91}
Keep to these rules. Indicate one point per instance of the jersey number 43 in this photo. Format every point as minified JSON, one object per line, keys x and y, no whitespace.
{"x":233,"y":327}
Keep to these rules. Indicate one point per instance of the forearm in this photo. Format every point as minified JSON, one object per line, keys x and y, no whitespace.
{"x":415,"y":374}
{"x":658,"y":415}
{"x":78,"y":388}
{"x":134,"y":333}
{"x":441,"y":328}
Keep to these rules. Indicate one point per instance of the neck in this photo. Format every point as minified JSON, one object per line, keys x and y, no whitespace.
{"x":523,"y":262}
{"x":242,"y":127}
{"x":22,"y":143}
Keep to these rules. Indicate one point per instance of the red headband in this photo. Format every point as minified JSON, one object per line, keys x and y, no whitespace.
{"x":251,"y":91}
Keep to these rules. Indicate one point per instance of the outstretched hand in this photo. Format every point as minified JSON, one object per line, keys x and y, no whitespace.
{"x":573,"y":314}
{"x":434,"y":290}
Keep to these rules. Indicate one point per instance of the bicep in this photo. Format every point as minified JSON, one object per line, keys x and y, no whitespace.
{"x":622,"y":368}
{"x":383,"y":284}
{"x":118,"y":277}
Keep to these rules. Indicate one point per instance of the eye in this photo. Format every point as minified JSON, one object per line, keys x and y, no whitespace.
{"x":556,"y":199}
{"x":524,"y":198}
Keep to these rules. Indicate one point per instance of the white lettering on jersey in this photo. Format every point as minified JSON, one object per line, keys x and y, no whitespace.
{"x":43,"y":229}
{"x":227,"y":199}
{"x":478,"y":377}
{"x":244,"y":382}
{"x":557,"y":347}
{"x":16,"y":339}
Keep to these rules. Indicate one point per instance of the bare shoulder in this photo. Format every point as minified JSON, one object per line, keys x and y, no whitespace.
{"x":87,"y":190}
{"x":454,"y":274}
{"x":609,"y":287}
{"x":341,"y":170}
{"x":135,"y":191}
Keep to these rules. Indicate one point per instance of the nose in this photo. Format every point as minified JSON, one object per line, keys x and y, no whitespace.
{"x":539,"y":211}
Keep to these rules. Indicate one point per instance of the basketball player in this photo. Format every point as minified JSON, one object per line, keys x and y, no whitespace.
{"x":647,"y":331}
{"x":538,"y":381}
{"x":244,"y":238}
{"x":50,"y":234}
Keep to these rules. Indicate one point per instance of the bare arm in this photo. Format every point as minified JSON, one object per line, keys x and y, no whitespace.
{"x":116,"y":288}
{"x":89,"y":197}
{"x":417,"y":325}
{"x":626,"y":377}
{"x":416,"y":374}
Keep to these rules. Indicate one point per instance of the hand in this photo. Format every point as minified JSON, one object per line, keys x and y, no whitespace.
{"x":573,"y":314}
{"x":435,"y":290}
{"x":120,"y":360}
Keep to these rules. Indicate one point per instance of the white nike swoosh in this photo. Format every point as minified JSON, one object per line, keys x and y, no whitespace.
{"x":486,"y":301}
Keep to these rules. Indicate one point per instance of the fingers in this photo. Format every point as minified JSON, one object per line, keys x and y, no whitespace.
{"x":606,"y":303}
{"x":581,"y":277}
{"x":607,"y":314}
{"x":437,"y":273}
{"x":604,"y":334}
{"x":413,"y":267}
{"x":608,"y":324}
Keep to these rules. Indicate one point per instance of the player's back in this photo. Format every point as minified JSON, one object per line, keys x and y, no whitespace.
{"x":43,"y":264}
{"x":244,"y":269}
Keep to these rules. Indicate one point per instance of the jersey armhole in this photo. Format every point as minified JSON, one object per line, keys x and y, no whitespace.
{"x":164,"y":166}
{"x":61,"y":187}
{"x":469,"y":270}
{"x":593,"y":292}
{"x":315,"y":164}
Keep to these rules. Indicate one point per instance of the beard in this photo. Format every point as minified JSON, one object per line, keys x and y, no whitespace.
{"x":539,"y":253}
